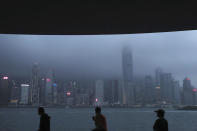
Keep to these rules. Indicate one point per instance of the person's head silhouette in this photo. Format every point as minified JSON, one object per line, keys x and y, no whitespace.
{"x":160,"y":113}
{"x":41,"y":110}
{"x":98,"y":110}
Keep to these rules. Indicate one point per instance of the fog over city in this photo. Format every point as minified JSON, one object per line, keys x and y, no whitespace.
{"x":99,"y":56}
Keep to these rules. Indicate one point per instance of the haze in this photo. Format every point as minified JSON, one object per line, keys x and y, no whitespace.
{"x":99,"y":56}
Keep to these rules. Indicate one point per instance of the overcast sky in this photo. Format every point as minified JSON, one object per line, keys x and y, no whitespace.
{"x":99,"y":56}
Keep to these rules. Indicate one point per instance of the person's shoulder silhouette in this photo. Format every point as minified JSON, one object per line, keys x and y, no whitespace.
{"x":44,"y":120}
{"x":99,"y":120}
{"x":161,"y":124}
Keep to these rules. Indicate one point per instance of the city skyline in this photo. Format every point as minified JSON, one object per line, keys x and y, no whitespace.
{"x":45,"y":89}
{"x":99,"y":56}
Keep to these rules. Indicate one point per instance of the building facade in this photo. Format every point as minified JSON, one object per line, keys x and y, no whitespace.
{"x":25,"y":90}
{"x":127,"y":65}
{"x":99,"y":92}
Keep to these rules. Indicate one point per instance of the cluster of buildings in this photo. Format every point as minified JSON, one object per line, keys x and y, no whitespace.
{"x":46,"y":90}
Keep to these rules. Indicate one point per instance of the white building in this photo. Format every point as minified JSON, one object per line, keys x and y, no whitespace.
{"x":99,"y":93}
{"x":24,"y":94}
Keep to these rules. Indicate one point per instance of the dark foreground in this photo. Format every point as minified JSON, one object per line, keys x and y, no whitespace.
{"x":80,"y":119}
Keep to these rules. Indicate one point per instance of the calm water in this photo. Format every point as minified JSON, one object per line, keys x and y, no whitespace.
{"x":80,"y":119}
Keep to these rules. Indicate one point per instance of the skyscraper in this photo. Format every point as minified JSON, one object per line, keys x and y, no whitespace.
{"x":5,"y":91}
{"x":166,"y":83}
{"x":24,"y":94}
{"x":187,"y":92}
{"x":127,"y":64}
{"x":34,"y":96}
{"x":99,"y":92}
{"x":158,"y":73}
{"x":49,"y":88}
{"x":42,"y":84}
{"x":149,"y":94}
{"x":177,"y":92}
{"x":111,"y":92}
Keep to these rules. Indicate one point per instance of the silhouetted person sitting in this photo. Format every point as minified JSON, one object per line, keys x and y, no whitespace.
{"x":161,"y":124}
{"x":99,"y":120}
{"x":44,"y":120}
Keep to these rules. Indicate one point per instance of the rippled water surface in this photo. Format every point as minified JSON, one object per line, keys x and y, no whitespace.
{"x":79,"y":119}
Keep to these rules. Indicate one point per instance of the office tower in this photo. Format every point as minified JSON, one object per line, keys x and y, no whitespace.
{"x":35,"y":90}
{"x":127,"y":65}
{"x":42,"y":84}
{"x":25,"y":90}
{"x":158,"y":73}
{"x":177,"y":92}
{"x":108,"y":92}
{"x":111,"y":92}
{"x":70,"y":94}
{"x":149,"y":93}
{"x":55,"y":87}
{"x":194,"y":95}
{"x":5,"y":91}
{"x":99,"y":92}
{"x":49,"y":88}
{"x":61,"y":93}
{"x":187,"y":92}
{"x":157,"y":86}
{"x":166,"y":87}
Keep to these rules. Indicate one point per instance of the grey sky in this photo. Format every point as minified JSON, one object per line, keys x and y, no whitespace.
{"x":99,"y":56}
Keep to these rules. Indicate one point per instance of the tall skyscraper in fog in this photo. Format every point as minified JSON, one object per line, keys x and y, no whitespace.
{"x":99,"y":92}
{"x":158,"y":73}
{"x":177,"y":92}
{"x":49,"y":87}
{"x":127,"y":65}
{"x":187,"y":92}
{"x":149,"y":94}
{"x":34,"y":96}
{"x":24,"y":94}
{"x":166,"y":83}
{"x":111,"y":92}
{"x":5,"y":90}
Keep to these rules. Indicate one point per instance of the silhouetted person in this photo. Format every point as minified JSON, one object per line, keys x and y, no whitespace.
{"x":44,"y":120}
{"x":161,"y":124}
{"x":99,"y":120}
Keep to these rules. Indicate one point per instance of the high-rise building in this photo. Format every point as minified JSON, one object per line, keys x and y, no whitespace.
{"x":187,"y":84}
{"x":115,"y":90}
{"x":25,"y":90}
{"x":42,"y":84}
{"x":71,"y":93}
{"x":149,"y":93}
{"x":49,"y":88}
{"x":166,"y":87}
{"x":177,"y":92}
{"x":127,"y":64}
{"x":35,"y":89}
{"x":55,"y":88}
{"x":187,"y":92}
{"x":111,"y":92}
{"x":99,"y":92}
{"x":5,"y":91}
{"x":121,"y":88}
{"x":158,"y":73}
{"x":157,"y":86}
